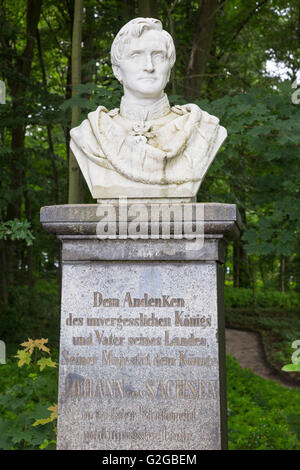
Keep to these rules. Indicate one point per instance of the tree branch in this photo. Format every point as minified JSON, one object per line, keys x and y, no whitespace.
{"x":241,"y":26}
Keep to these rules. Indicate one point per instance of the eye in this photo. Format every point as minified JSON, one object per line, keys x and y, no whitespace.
{"x":159,"y":55}
{"x":135,"y":54}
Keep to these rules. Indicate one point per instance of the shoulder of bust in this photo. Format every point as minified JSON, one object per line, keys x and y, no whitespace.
{"x":93,"y":117}
{"x":96,"y":113}
{"x":87,"y":130}
{"x":209,"y":118}
{"x":194,"y":109}
{"x":191,"y":111}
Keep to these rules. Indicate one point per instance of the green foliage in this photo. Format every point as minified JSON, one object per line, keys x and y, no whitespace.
{"x":254,"y":169}
{"x":31,"y":311}
{"x":274,"y":316}
{"x":16,"y":230}
{"x":295,"y":366}
{"x":261,"y":298}
{"x":261,"y":413}
{"x":291,"y":368}
{"x":108,"y":94}
{"x":27,"y":391}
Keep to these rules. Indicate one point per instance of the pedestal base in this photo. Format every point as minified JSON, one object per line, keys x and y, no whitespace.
{"x":142,"y":353}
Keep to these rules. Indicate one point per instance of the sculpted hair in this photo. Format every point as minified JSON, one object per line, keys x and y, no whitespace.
{"x":134,"y":29}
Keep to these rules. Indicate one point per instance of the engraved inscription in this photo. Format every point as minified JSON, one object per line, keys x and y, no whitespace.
{"x":78,"y":360}
{"x":115,"y":388}
{"x":132,"y":302}
{"x":140,"y":368}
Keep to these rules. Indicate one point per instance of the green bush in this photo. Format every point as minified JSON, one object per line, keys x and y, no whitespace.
{"x":262,"y":415}
{"x":28,"y":389}
{"x":275,"y":316}
{"x":261,"y":298}
{"x":31,"y":312}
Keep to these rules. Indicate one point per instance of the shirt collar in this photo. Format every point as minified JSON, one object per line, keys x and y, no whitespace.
{"x":138,"y":112}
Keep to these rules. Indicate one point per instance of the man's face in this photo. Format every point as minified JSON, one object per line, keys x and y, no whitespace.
{"x":144,"y":69}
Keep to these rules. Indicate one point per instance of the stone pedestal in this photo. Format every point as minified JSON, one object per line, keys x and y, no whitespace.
{"x":142,"y":353}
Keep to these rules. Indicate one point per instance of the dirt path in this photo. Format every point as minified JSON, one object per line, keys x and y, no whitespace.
{"x":246,"y":347}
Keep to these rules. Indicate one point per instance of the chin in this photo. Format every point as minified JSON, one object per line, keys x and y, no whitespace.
{"x":147,"y":92}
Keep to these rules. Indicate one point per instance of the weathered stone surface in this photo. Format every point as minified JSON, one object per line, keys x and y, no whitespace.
{"x":223,"y":219}
{"x":142,"y":358}
{"x":125,"y":385}
{"x":86,"y":248}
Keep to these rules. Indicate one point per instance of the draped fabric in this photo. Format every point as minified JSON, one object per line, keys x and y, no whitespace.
{"x":175,"y":148}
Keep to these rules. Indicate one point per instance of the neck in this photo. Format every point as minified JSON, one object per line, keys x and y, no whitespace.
{"x":141,"y":101}
{"x":144,"y":110}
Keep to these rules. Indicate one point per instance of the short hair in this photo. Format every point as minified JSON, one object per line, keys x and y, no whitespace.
{"x":135,"y":28}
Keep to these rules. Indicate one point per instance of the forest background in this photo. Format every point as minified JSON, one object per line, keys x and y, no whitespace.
{"x":237,"y":60}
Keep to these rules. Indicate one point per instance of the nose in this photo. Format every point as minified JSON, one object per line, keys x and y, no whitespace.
{"x":149,"y":65}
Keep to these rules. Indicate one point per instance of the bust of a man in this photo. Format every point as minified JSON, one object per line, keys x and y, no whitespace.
{"x":145,"y":148}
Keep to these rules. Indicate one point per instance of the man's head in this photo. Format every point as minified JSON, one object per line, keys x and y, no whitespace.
{"x":142,"y":55}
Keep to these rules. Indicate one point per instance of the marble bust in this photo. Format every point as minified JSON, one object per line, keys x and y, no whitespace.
{"x":145,"y":148}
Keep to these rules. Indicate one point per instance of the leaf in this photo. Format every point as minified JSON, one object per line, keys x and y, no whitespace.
{"x":42,"y":421}
{"x":44,"y":362}
{"x":28,"y":345}
{"x":291,"y":368}
{"x":46,"y":443}
{"x":16,"y":230}
{"x":36,"y":343}
{"x":40,"y":344}
{"x":52,"y":417}
{"x":24,"y":357}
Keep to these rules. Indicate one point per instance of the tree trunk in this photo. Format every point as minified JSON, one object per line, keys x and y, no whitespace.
{"x":148,"y":8}
{"x":75,"y":179}
{"x":89,"y":56}
{"x":282,"y":274}
{"x":241,"y":268}
{"x":201,"y":45}
{"x":236,"y":264}
{"x":172,"y":32}
{"x":127,"y":8}
{"x":18,"y":93}
{"x":4,"y":272}
{"x":29,"y":258}
{"x":241,"y":275}
{"x":68,"y":96}
{"x":18,"y":165}
{"x":48,"y":126}
{"x":20,"y":64}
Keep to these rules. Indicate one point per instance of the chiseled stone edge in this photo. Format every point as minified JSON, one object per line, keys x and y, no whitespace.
{"x":85,"y":249}
{"x":82,"y":219}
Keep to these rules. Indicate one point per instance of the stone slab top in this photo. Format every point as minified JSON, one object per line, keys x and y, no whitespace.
{"x":82,"y":219}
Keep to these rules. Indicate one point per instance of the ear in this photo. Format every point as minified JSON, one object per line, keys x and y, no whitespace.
{"x":168,"y":77}
{"x":117,"y":74}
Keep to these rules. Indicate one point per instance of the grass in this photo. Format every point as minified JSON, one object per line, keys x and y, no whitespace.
{"x":277,"y":324}
{"x":262,"y":415}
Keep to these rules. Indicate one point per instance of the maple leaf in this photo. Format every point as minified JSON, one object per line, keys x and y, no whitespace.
{"x":28,"y":345}
{"x":52,"y":417}
{"x":36,"y":343}
{"x":54,"y":409}
{"x":44,"y":362}
{"x":40,"y":343}
{"x":42,"y":421}
{"x":24,"y":357}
